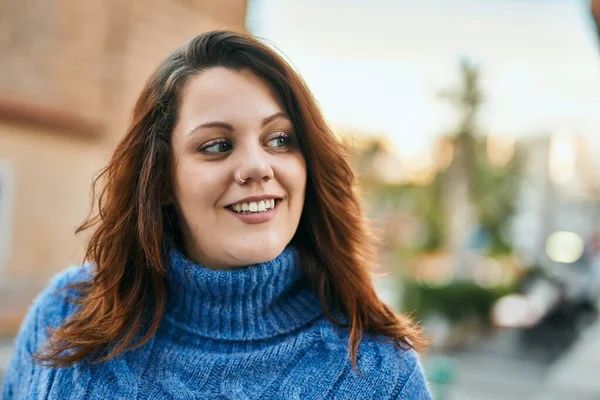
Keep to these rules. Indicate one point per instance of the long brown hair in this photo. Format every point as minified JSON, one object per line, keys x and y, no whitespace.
{"x":127,"y":288}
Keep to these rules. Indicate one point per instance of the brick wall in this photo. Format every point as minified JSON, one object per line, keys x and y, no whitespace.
{"x":67,"y":68}
{"x":92,"y":57}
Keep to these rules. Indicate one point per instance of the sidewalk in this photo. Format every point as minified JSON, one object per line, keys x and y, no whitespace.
{"x":502,"y":369}
{"x":496,"y":370}
{"x":575,"y":376}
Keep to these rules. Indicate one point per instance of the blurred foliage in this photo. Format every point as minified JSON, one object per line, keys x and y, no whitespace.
{"x":493,"y":190}
{"x":458,"y":300}
{"x":414,"y":217}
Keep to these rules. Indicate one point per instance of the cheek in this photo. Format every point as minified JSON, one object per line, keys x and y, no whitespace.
{"x":197,"y":183}
{"x":296,"y":177}
{"x":302,"y":176}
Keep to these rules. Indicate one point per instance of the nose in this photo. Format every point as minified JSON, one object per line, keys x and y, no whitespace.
{"x":255,"y":166}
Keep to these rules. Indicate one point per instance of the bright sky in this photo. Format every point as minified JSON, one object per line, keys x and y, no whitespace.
{"x":377,"y":65}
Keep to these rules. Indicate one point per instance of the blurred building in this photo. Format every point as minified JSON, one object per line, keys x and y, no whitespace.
{"x":70,"y":72}
{"x":559,"y":193}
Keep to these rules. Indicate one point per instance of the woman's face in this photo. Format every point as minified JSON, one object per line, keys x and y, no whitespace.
{"x":232,"y":128}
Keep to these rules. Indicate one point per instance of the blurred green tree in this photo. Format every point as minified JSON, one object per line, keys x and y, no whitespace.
{"x":479,"y":193}
{"x":471,"y":196}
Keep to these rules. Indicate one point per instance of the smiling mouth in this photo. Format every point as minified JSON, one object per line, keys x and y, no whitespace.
{"x":255,"y":207}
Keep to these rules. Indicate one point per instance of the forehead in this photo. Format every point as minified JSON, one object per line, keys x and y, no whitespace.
{"x":225,"y":94}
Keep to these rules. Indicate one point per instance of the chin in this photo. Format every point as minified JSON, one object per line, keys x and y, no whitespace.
{"x":259,"y":253}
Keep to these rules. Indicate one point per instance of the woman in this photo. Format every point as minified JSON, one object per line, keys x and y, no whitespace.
{"x":230,"y":258}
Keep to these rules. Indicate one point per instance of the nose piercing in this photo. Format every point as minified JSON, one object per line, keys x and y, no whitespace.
{"x":238,"y":178}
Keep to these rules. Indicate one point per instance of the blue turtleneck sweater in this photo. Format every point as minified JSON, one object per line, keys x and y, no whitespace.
{"x":252,"y":333}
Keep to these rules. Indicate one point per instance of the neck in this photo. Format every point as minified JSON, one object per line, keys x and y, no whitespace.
{"x":258,"y":301}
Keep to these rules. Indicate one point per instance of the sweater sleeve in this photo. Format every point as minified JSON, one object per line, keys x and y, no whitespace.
{"x":416,"y":386}
{"x":410,"y":381}
{"x":48,"y":309}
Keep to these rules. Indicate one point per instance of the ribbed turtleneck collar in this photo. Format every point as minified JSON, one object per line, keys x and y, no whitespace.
{"x":254,"y":302}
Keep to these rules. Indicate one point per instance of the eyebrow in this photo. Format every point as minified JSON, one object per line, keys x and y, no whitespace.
{"x":229,"y":127}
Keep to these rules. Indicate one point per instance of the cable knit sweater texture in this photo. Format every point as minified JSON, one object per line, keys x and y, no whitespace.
{"x":253,"y":333}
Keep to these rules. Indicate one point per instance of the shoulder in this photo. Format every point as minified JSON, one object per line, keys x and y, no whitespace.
{"x":70,"y":275}
{"x":389,"y":371}
{"x":52,"y":305}
{"x":49,"y":309}
{"x":59,"y":285}
{"x":56,"y":301}
{"x":401,"y":365}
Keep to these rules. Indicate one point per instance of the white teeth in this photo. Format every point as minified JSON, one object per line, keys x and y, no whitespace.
{"x":254,"y":206}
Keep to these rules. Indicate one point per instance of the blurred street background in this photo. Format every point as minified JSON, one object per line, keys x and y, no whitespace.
{"x":474,"y":127}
